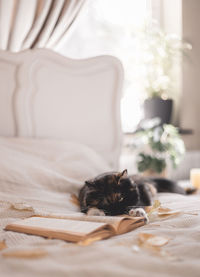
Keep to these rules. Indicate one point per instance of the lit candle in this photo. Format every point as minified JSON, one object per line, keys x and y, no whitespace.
{"x":195,"y":177}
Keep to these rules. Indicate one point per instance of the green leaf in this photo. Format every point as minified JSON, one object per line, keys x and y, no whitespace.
{"x":164,"y":142}
{"x":146,"y":162}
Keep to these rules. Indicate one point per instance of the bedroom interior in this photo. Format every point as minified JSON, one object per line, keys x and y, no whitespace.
{"x":82,"y":82}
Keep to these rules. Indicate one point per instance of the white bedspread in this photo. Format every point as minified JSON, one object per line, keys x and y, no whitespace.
{"x":39,"y":176}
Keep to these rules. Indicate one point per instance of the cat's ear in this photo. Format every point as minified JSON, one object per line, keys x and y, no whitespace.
{"x":88,"y":183}
{"x":124,"y":173}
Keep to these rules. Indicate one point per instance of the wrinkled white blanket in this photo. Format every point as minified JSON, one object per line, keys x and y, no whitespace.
{"x":38,"y":176}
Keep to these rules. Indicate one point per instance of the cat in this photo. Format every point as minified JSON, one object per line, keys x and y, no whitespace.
{"x":116,"y":193}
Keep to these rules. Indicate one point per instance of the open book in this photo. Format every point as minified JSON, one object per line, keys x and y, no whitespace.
{"x":77,"y":227}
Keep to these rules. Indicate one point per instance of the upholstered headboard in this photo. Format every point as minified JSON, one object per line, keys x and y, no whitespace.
{"x":46,"y":95}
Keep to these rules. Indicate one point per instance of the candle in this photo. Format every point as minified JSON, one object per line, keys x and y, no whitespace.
{"x":195,"y":177}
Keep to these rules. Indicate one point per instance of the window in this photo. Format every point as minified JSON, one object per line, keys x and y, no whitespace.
{"x":111,"y":27}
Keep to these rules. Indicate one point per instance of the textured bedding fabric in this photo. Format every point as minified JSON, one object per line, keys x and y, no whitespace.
{"x":38,"y":176}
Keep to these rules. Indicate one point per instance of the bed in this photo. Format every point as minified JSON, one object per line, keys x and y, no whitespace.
{"x":59,"y":125}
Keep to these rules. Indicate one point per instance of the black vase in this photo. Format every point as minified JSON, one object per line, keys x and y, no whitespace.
{"x":157,"y":107}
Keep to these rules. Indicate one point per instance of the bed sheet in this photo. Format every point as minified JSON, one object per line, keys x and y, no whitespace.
{"x":39,"y":176}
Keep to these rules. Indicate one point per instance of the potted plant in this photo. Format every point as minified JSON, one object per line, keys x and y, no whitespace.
{"x":160,"y":145}
{"x":162,"y":53}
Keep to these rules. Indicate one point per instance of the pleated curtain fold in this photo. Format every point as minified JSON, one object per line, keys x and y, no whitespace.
{"x":36,"y":23}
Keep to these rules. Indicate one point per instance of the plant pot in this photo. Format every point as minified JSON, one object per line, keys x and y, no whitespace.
{"x":157,"y":107}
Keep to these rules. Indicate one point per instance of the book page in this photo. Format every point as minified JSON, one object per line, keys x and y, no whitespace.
{"x":113,"y":220}
{"x":75,"y":227}
{"x":129,"y":224}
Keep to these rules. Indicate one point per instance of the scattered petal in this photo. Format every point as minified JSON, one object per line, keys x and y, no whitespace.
{"x":3,"y":245}
{"x":157,"y":241}
{"x":147,"y":209}
{"x":152,"y":240}
{"x":26,"y":254}
{"x":144,"y":237}
{"x":88,"y":241}
{"x":74,"y":200}
{"x":22,"y":207}
{"x":153,"y":243}
{"x":155,"y":207}
{"x":162,"y":211}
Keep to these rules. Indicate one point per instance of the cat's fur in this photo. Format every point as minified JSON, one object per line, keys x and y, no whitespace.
{"x":116,"y":193}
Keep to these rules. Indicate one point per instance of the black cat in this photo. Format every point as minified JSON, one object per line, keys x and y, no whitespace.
{"x":116,"y":193}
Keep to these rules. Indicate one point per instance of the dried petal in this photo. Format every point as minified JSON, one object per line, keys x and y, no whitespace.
{"x":152,"y":240}
{"x":88,"y":241}
{"x":22,"y":207}
{"x":74,"y":200}
{"x":147,"y":209}
{"x":144,"y":237}
{"x":157,"y":241}
{"x":155,"y":206}
{"x":26,"y":254}
{"x":162,"y":211}
{"x":3,"y":245}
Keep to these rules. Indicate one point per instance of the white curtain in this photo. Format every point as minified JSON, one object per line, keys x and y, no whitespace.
{"x":36,"y":23}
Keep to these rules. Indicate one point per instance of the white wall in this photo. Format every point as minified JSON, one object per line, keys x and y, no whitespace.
{"x":169,"y":14}
{"x":190,"y":110}
{"x":182,"y":17}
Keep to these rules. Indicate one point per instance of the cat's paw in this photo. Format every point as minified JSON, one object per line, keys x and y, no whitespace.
{"x":139,"y":212}
{"x":95,"y":212}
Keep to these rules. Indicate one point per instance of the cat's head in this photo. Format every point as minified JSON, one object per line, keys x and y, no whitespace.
{"x":113,"y":192}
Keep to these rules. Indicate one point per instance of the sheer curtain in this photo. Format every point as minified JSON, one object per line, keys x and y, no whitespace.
{"x":36,"y":23}
{"x":112,"y":27}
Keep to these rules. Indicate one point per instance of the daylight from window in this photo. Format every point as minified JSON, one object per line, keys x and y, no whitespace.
{"x":115,"y":27}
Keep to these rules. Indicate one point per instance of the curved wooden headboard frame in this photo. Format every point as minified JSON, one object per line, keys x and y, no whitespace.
{"x":46,"y":95}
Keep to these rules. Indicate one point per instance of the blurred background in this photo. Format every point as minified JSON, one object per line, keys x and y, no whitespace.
{"x":157,"y":42}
